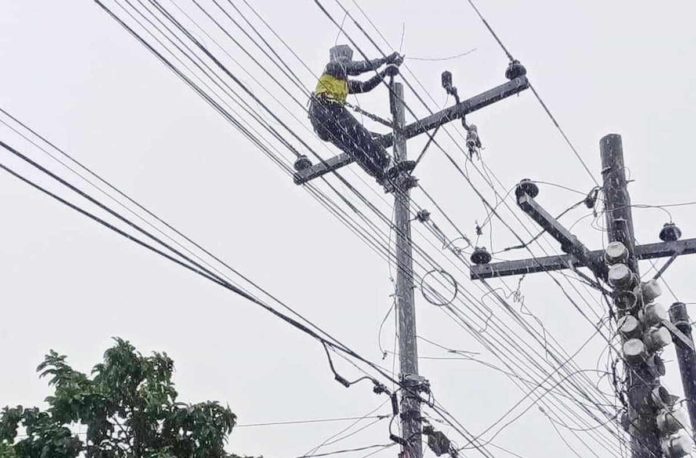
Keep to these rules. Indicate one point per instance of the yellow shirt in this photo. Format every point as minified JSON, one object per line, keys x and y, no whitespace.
{"x":332,"y":88}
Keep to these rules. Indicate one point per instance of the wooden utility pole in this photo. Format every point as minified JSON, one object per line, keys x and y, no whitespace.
{"x":686,"y":357}
{"x":652,"y":417}
{"x":412,"y":385}
{"x":640,"y":381}
{"x":405,"y":303}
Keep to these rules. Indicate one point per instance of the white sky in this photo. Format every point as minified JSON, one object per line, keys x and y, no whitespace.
{"x":78,"y":78}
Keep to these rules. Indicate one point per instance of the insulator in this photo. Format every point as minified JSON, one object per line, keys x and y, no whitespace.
{"x":671,"y":421}
{"x":620,"y":276}
{"x":615,"y":253}
{"x":302,"y":163}
{"x":626,"y":301}
{"x":677,"y":445}
{"x":515,"y":70}
{"x":527,"y":186}
{"x":654,"y":314}
{"x":480,"y":256}
{"x":591,"y":198}
{"x":447,"y":80}
{"x":670,"y":233}
{"x":657,"y":338}
{"x":634,"y":351}
{"x":423,"y":215}
{"x":651,"y":290}
{"x":629,"y":327}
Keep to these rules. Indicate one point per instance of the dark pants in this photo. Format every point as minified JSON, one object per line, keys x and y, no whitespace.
{"x":333,"y":123}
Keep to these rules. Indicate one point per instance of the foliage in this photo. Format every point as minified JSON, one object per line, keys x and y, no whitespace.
{"x":127,"y":408}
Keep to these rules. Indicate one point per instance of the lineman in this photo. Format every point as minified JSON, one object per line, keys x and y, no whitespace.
{"x":331,"y":120}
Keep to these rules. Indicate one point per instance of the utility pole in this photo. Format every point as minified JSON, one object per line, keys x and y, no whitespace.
{"x":686,"y":357}
{"x":411,"y":383}
{"x":405,"y":303}
{"x":640,"y":380}
{"x":656,"y":425}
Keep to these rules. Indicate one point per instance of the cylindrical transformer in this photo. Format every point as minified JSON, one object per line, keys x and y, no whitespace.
{"x":615,"y":253}
{"x":653,"y":314}
{"x":651,"y":290}
{"x":657,"y":338}
{"x":625,"y":301}
{"x":629,"y":327}
{"x":620,"y":276}
{"x":671,"y":421}
{"x":634,"y":351}
{"x":677,"y":445}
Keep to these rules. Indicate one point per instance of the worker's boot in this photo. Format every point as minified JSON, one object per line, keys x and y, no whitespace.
{"x":396,"y":168}
{"x":397,"y":174}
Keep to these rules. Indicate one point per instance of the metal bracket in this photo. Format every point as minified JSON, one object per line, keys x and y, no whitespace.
{"x":569,"y":242}
{"x":678,"y":335}
{"x":561,"y":262}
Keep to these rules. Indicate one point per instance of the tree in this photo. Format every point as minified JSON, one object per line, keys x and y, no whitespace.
{"x":127,"y":406}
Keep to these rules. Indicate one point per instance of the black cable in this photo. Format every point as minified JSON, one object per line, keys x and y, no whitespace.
{"x":359,"y":449}
{"x":304,"y":422}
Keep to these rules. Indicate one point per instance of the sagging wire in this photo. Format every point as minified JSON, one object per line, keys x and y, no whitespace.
{"x":443,"y":301}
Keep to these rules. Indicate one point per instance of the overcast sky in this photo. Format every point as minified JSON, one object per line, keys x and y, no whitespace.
{"x":74,"y":75}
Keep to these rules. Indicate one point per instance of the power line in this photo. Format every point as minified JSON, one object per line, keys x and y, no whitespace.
{"x":303,"y":422}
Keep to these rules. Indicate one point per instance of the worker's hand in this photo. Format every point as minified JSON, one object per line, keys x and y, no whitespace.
{"x":395,"y":58}
{"x":391,"y":70}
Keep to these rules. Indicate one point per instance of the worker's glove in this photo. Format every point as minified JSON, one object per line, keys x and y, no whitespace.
{"x":395,"y":58}
{"x":391,"y":70}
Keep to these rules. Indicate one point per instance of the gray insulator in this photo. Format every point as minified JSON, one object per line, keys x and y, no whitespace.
{"x":670,"y":233}
{"x":527,"y":186}
{"x":302,"y":163}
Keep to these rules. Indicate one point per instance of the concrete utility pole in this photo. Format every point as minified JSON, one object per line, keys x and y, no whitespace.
{"x":408,"y":348}
{"x":645,"y":439}
{"x":655,"y":423}
{"x":686,"y":357}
